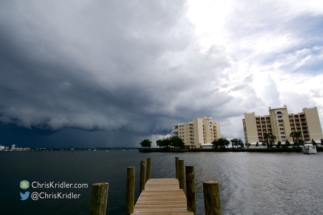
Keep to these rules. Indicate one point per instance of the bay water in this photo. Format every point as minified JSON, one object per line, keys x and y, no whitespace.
{"x":250,"y":183}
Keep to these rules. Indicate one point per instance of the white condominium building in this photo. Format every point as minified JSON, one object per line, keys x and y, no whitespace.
{"x":281,"y":123}
{"x":198,"y":132}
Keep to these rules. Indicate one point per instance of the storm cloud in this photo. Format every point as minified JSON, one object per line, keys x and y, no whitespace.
{"x":140,"y":66}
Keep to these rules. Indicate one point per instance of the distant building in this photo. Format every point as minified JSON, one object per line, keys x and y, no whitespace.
{"x":1,"y":148}
{"x":21,"y":149}
{"x":200,"y":131}
{"x":13,"y":147}
{"x":281,"y":123}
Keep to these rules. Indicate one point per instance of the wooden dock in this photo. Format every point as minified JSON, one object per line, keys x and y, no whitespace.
{"x":162,"y":196}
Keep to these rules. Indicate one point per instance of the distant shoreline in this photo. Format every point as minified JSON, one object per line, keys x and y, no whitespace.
{"x":270,"y":150}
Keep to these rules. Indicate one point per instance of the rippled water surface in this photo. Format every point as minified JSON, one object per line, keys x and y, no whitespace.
{"x":250,"y":183}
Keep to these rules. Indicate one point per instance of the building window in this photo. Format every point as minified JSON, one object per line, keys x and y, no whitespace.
{"x":280,"y":124}
{"x":282,"y":132}
{"x":281,"y":128}
{"x":280,"y":120}
{"x":283,"y":136}
{"x":279,"y":116}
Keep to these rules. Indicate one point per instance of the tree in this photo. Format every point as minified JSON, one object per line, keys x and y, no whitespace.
{"x":279,"y":144}
{"x":236,"y":142}
{"x":287,"y":143}
{"x":297,"y":135}
{"x":272,"y":137}
{"x":257,"y":144}
{"x":173,"y":141}
{"x":165,"y":142}
{"x":145,"y":143}
{"x":267,"y":136}
{"x":313,"y":142}
{"x":292,"y":135}
{"x":176,"y":142}
{"x":222,"y":142}
{"x":241,"y":144}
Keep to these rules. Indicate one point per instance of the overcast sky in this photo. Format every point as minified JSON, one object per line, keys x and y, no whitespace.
{"x":111,"y":70}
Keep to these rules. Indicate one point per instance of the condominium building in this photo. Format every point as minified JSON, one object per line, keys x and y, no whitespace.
{"x":198,"y":132}
{"x":280,"y":123}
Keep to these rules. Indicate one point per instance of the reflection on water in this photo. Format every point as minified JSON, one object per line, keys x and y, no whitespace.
{"x":250,"y":183}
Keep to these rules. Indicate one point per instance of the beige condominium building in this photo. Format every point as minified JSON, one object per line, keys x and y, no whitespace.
{"x":200,"y":131}
{"x":281,"y":123}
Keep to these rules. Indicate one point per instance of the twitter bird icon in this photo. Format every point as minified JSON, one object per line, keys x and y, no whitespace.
{"x":24,"y":196}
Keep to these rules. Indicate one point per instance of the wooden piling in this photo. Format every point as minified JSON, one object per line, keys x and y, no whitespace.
{"x":176,"y":166}
{"x":211,"y":198}
{"x":130,"y":190}
{"x":142,"y":175}
{"x":181,"y":174}
{"x":148,"y":171}
{"x":99,"y":198}
{"x":190,"y":189}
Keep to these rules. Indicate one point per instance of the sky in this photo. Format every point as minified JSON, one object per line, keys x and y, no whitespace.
{"x":97,"y":73}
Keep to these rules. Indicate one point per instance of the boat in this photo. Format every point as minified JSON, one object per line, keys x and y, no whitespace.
{"x":309,"y":149}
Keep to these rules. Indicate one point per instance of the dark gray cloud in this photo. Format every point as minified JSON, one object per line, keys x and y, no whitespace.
{"x":104,"y":65}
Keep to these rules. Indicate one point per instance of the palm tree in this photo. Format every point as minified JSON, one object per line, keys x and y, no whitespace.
{"x":267,"y":136}
{"x":298,"y":135}
{"x":272,"y":137}
{"x":292,"y":135}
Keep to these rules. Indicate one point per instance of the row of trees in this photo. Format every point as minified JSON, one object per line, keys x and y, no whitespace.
{"x":223,"y":143}
{"x":270,"y":140}
{"x":177,"y":142}
{"x":172,"y":141}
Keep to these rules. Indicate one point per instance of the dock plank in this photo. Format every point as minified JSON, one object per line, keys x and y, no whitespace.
{"x":162,"y":196}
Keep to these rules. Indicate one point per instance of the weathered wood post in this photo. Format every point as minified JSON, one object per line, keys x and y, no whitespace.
{"x":142,"y":175}
{"x":130,"y":190}
{"x":176,"y":166}
{"x":181,"y":174}
{"x":190,"y":189}
{"x":148,"y":169}
{"x":211,"y":198}
{"x":99,"y":198}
